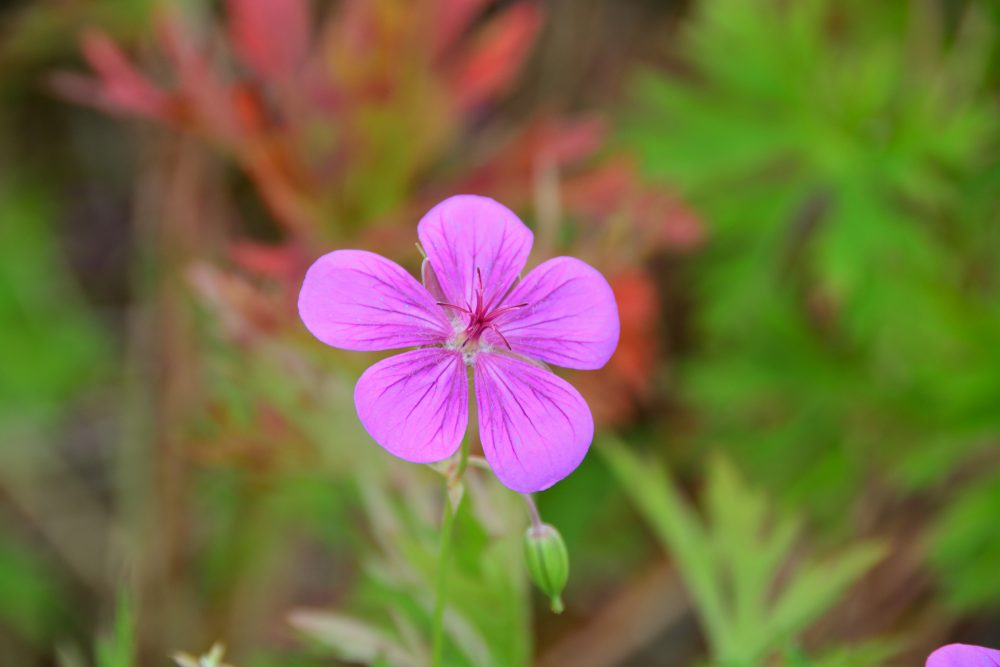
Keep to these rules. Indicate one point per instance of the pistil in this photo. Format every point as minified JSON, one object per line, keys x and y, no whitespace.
{"x":480,"y":318}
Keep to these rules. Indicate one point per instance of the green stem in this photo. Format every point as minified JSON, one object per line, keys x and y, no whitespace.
{"x":444,"y":551}
{"x":463,"y":460}
{"x":536,"y":519}
{"x":441,"y":582}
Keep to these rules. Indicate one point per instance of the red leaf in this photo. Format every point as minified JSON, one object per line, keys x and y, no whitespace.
{"x":496,"y":56}
{"x":639,"y":311}
{"x":566,"y":141}
{"x":557,"y":142}
{"x":617,"y":390}
{"x":207,"y":96}
{"x":451,"y":18}
{"x":120,"y":86}
{"x":270,"y":36}
{"x":275,"y":262}
{"x":658,"y":218}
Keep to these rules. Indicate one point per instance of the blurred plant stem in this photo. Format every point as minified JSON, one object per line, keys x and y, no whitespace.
{"x":174,"y":195}
{"x":452,"y":481}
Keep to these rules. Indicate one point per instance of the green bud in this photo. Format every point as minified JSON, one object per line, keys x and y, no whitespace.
{"x":548,"y":562}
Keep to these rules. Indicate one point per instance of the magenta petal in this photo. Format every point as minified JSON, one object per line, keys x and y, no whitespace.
{"x":357,"y":300}
{"x":534,"y":426}
{"x":416,"y":404}
{"x":964,"y":655}
{"x":467,"y":233}
{"x":571,"y":318}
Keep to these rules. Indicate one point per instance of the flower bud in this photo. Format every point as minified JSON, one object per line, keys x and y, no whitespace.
{"x":548,"y":562}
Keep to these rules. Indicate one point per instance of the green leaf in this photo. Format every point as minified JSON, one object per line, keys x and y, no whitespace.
{"x":734,"y":561}
{"x":353,"y":639}
{"x":118,"y":649}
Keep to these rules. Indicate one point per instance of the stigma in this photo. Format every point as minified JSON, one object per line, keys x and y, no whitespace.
{"x":476,"y":320}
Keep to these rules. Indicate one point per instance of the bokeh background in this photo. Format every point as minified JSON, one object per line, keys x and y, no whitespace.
{"x":797,"y":203}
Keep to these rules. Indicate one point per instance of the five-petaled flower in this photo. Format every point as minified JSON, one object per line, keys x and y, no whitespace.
{"x":964,"y":655}
{"x":472,"y":310}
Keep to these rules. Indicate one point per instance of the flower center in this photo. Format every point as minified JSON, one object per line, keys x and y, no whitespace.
{"x":481,"y":316}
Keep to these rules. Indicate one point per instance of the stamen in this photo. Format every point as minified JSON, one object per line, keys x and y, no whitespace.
{"x":500,"y":295}
{"x":482,"y":316}
{"x":479,"y":293}
{"x":502,"y":337}
{"x":505,"y":309}
{"x":454,"y":307}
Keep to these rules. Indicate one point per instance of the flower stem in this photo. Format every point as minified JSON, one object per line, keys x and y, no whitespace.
{"x":444,"y":552}
{"x":441,"y":582}
{"x":536,"y":520}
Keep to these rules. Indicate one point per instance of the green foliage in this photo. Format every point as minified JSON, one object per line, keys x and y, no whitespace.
{"x":50,"y":346}
{"x":30,"y":604}
{"x":42,"y":32}
{"x":754,"y":593}
{"x":845,"y":156}
{"x":51,"y":351}
{"x":118,"y":648}
{"x":866,"y":655}
{"x":487,"y":612}
{"x":965,"y":545}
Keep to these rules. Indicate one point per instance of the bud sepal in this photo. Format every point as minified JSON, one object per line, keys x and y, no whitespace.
{"x":548,"y":561}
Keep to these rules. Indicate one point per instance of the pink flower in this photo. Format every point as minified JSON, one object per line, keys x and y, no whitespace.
{"x":964,"y":655}
{"x":471,"y":311}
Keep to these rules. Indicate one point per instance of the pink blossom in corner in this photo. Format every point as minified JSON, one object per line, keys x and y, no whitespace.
{"x":964,"y":655}
{"x":471,"y":311}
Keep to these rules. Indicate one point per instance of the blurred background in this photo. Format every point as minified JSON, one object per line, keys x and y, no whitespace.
{"x":797,"y":203}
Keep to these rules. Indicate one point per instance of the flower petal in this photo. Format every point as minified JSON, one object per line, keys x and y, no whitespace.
{"x":571,"y":318}
{"x":357,"y":300}
{"x":964,"y":655}
{"x":534,"y":426}
{"x":467,"y":233}
{"x":416,"y":404}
